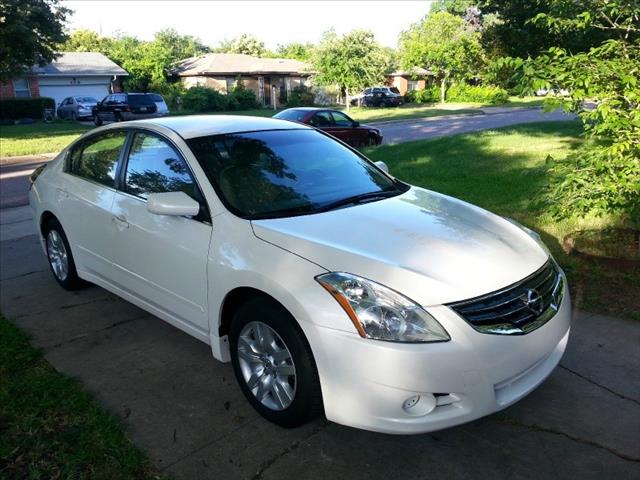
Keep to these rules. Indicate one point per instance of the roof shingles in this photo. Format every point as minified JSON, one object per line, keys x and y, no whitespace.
{"x":80,"y":63}
{"x":236,"y":63}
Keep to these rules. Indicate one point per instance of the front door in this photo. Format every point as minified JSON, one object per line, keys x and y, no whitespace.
{"x":267,"y":90}
{"x":161,"y":259}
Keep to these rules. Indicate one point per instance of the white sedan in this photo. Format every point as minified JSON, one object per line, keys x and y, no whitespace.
{"x":330,"y":285}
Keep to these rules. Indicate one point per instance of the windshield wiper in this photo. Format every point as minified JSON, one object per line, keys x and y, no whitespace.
{"x":358,"y":199}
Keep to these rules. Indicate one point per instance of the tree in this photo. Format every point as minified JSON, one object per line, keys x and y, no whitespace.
{"x":455,"y":7}
{"x":602,"y":177}
{"x":297,"y":51}
{"x":245,"y":43}
{"x":517,"y":36}
{"x":353,"y":61}
{"x":85,"y":41}
{"x":444,"y":44}
{"x":29,"y":34}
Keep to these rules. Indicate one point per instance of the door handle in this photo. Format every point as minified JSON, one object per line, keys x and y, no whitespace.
{"x":120,"y":220}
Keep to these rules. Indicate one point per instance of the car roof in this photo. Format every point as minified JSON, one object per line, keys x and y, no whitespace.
{"x":191,"y":126}
{"x":304,"y":109}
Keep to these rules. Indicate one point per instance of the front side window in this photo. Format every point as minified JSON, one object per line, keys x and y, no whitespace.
{"x":321,"y":119}
{"x":155,"y":167}
{"x":280,"y":173}
{"x":341,"y":119}
{"x":21,"y":88}
{"x":97,"y":158}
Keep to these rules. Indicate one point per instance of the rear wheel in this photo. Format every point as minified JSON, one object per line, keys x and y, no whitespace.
{"x":60,"y":258}
{"x":273,"y":363}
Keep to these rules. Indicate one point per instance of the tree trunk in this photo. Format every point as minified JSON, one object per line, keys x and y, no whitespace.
{"x":443,"y":88}
{"x":346,"y":97}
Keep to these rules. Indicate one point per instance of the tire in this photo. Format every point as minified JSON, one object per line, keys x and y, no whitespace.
{"x":117,"y":117}
{"x":282,"y":369}
{"x":97,"y":120}
{"x":60,"y":258}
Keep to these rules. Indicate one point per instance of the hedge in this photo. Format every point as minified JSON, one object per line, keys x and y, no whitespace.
{"x":19,"y":108}
{"x":477,"y":94}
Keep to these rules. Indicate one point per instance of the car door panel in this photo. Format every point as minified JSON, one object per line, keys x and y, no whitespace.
{"x":85,"y":199}
{"x":159,"y":258}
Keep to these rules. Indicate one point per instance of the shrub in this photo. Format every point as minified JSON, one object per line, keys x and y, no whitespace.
{"x":300,"y":97}
{"x":428,"y":95}
{"x":204,"y":99}
{"x":246,"y":99}
{"x":18,"y":108}
{"x":477,"y":94}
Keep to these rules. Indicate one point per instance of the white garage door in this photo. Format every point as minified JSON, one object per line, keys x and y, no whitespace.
{"x":60,"y":92}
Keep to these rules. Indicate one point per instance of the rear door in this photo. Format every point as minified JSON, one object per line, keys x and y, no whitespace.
{"x":85,"y":198}
{"x":161,"y":259}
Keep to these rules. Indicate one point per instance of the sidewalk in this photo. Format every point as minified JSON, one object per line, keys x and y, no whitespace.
{"x":27,"y":159}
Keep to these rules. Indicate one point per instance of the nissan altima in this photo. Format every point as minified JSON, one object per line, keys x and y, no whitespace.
{"x":331,"y":286}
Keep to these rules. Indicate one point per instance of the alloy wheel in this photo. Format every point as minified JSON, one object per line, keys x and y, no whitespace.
{"x":267,"y":365}
{"x":57,"y":253}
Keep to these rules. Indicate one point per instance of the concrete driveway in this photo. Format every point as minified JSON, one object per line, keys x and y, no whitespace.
{"x":184,"y":408}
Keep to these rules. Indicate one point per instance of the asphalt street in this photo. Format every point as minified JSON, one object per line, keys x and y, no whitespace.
{"x":185,"y":411}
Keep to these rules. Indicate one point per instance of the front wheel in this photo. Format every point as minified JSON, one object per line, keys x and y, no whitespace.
{"x":273,"y":363}
{"x":97,"y":120}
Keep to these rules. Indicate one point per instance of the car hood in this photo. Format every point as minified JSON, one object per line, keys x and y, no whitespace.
{"x":430,"y":247}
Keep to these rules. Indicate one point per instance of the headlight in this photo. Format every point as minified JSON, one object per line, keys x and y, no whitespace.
{"x":531,"y":233}
{"x":380,"y":313}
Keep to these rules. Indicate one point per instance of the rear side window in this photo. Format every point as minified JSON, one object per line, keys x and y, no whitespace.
{"x":291,"y":115}
{"x":156,"y":98}
{"x":155,"y":167}
{"x":97,"y":158}
{"x":136,"y":100}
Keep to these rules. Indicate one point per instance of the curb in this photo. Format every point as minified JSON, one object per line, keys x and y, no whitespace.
{"x":27,"y":159}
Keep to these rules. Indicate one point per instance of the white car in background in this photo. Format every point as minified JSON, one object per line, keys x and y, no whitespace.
{"x":161,"y":105}
{"x":330,"y":285}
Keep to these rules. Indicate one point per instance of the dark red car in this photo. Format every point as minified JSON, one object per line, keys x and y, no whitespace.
{"x":335,"y":123}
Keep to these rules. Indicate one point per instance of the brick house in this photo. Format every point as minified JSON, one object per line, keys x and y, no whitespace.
{"x":71,"y":74}
{"x":406,"y":80}
{"x":264,"y":76}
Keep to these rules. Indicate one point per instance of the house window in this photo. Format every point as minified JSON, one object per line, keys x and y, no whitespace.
{"x":412,"y":85}
{"x":231,"y":83}
{"x":21,"y":88}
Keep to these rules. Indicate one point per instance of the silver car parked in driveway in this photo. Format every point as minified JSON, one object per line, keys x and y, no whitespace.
{"x":76,"y":107}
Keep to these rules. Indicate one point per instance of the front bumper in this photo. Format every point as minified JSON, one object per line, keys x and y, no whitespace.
{"x":369,"y":384}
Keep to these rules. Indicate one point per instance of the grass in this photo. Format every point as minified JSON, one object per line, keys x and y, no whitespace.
{"x":504,"y":171}
{"x":50,"y":428}
{"x":406,"y":111}
{"x":38,"y":137}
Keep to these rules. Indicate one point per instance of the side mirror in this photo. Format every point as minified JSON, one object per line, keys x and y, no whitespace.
{"x":382,"y":166}
{"x":356,"y":124}
{"x":172,"y":203}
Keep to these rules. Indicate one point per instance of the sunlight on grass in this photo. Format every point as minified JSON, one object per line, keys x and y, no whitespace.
{"x":38,"y":137}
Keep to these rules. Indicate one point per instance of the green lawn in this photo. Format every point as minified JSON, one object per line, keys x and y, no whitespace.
{"x":38,"y":137}
{"x":504,"y":171}
{"x":51,"y":428}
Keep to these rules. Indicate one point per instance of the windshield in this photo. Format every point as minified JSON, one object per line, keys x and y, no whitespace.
{"x":86,"y":100}
{"x":280,"y":173}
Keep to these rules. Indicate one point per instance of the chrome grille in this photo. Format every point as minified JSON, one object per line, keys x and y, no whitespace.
{"x":519,"y":308}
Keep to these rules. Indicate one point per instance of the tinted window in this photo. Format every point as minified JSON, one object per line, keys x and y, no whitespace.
{"x":285,"y":172}
{"x":156,"y":98}
{"x":291,"y":115}
{"x":97,"y":159}
{"x":341,"y":119}
{"x":140,"y":100}
{"x":155,"y":167}
{"x":321,"y":119}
